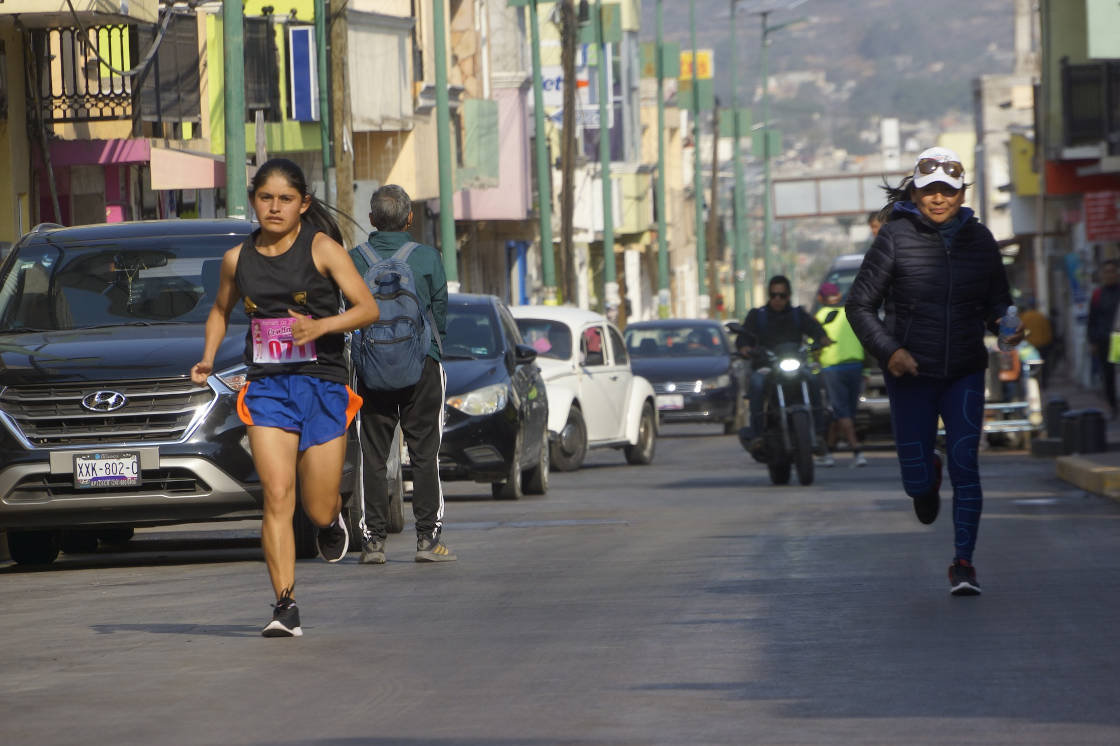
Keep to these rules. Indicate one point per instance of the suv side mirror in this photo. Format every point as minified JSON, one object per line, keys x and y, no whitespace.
{"x":523,"y":355}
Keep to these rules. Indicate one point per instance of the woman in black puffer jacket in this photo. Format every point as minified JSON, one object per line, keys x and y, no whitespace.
{"x":939,"y":274}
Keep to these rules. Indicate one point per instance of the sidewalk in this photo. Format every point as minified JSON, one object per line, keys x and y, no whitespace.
{"x":1098,"y":473}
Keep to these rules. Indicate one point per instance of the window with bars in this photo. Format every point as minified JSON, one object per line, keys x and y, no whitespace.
{"x":171,"y":89}
{"x":73,"y":84}
{"x":1091,"y":104}
{"x":262,"y":71}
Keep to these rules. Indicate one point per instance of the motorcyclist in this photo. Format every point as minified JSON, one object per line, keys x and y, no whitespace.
{"x":766,"y":328}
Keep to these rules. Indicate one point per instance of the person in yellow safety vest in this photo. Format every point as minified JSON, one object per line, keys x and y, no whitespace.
{"x":842,"y":369}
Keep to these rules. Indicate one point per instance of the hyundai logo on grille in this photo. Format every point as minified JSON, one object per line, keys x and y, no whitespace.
{"x":104,"y":401}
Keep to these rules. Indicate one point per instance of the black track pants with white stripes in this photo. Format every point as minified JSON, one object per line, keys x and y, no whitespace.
{"x":419,"y":409}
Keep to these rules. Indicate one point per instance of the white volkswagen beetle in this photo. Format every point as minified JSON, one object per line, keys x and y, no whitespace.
{"x":594,"y":399}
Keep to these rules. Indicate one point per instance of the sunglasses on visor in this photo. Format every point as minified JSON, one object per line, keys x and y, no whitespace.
{"x":928,"y":165}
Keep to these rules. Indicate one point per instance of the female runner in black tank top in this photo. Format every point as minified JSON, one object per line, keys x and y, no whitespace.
{"x":285,"y":209}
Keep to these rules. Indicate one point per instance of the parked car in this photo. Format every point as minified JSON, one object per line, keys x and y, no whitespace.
{"x":101,"y":428}
{"x":694,"y":368}
{"x":595,"y":399}
{"x":496,"y":415}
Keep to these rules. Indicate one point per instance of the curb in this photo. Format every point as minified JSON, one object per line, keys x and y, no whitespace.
{"x":1089,"y":475}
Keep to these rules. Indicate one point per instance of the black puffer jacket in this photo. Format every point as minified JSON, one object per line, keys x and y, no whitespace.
{"x":938,"y":300}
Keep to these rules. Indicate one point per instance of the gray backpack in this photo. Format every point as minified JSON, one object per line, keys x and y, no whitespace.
{"x":389,"y":354}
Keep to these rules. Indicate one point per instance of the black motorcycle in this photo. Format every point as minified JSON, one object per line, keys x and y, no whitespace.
{"x":789,"y":434}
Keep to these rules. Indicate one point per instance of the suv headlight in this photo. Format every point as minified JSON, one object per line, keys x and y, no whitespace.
{"x":789,"y":364}
{"x":234,"y":378}
{"x":719,"y":382}
{"x":486,"y":400}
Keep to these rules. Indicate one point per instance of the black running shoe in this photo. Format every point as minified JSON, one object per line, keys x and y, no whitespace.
{"x":285,"y":620}
{"x":928,"y":505}
{"x":962,"y":579}
{"x":333,"y":541}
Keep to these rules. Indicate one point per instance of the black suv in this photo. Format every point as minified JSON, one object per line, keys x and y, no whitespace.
{"x":101,"y":429}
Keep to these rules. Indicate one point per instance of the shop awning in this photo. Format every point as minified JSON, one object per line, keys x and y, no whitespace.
{"x":176,"y":169}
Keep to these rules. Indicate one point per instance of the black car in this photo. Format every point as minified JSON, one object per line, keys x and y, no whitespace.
{"x":695,"y":372}
{"x":496,"y":413}
{"x":101,"y":428}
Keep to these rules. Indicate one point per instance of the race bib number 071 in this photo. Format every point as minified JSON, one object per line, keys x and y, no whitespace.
{"x":272,"y":343}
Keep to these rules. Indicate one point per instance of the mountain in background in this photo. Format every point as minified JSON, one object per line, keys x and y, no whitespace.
{"x":854,"y":61}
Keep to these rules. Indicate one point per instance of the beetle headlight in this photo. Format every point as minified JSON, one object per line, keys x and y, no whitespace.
{"x":486,"y":400}
{"x":789,"y":364}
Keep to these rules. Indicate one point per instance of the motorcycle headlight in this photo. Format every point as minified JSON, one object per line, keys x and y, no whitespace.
{"x":234,"y":378}
{"x":719,"y":382}
{"x":486,"y":400}
{"x":789,"y":364}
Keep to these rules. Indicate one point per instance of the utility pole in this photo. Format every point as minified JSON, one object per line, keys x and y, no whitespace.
{"x":544,"y":169}
{"x":610,"y":282}
{"x":662,"y":239}
{"x":569,"y":30}
{"x":324,"y":101}
{"x":698,"y":181}
{"x":340,"y":122}
{"x":744,"y":252}
{"x":233,"y":55}
{"x":767,"y":227}
{"x":713,"y":208}
{"x":443,"y":150}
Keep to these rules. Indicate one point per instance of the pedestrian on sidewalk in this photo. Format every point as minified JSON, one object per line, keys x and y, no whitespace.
{"x":940,"y":275}
{"x":296,"y":402}
{"x":418,"y":409}
{"x":842,"y":370}
{"x":1102,"y":320}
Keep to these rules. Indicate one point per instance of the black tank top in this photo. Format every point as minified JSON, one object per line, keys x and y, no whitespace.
{"x":271,"y":285}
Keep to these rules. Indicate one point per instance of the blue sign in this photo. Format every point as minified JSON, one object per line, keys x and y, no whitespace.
{"x":303,"y":74}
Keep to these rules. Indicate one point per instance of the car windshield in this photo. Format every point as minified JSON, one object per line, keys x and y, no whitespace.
{"x":843,"y":279}
{"x":471,"y":333}
{"x":675,"y":341}
{"x":51,"y":287}
{"x":549,"y":338}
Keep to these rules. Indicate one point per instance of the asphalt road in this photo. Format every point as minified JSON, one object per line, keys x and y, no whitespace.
{"x":688,"y":602}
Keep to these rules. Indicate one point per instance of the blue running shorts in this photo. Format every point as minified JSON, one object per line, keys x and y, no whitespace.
{"x":318,"y":410}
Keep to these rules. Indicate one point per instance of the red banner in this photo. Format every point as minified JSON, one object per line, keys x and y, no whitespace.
{"x":1102,"y":216}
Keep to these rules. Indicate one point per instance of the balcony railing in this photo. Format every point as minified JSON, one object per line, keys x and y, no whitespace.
{"x":73,"y":84}
{"x":1091,"y":104}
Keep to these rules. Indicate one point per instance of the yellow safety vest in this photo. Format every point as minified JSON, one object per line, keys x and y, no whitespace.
{"x":846,"y":347}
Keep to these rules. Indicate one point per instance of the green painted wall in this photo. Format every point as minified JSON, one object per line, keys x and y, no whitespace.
{"x":1064,"y":35}
{"x":281,"y":137}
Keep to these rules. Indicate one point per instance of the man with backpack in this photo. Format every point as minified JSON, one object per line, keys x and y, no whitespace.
{"x":776,"y":323}
{"x":400,"y":375}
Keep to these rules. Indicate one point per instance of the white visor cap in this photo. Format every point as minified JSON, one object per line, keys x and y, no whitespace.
{"x":941,"y":155}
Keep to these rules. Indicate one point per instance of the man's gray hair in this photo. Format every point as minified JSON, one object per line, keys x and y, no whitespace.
{"x":389,"y":207}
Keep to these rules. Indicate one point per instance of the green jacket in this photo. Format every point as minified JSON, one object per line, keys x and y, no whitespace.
{"x":427,"y":270}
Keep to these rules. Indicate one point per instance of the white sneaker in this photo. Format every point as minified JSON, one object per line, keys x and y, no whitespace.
{"x":859,"y":461}
{"x":825,"y":461}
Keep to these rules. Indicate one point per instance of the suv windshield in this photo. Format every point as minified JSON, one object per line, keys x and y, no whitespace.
{"x":675,"y":341}
{"x":49,"y":286}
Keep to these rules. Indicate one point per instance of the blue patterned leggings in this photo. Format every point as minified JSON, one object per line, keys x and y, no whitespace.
{"x":916,"y":404}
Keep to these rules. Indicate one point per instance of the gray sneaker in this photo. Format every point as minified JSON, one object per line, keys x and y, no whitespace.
{"x":373,"y":552}
{"x":432,"y":549}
